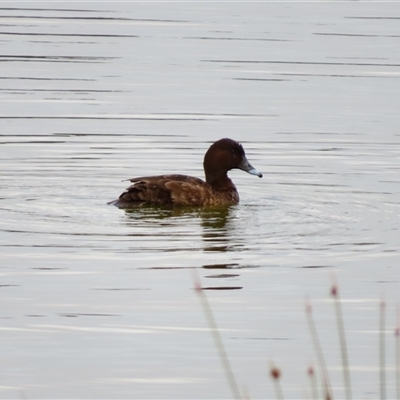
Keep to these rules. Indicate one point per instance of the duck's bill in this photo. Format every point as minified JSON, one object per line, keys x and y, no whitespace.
{"x":253,"y":171}
{"x":246,"y":166}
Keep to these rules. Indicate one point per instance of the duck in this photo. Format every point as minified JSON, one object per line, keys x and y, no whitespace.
{"x":182,"y":190}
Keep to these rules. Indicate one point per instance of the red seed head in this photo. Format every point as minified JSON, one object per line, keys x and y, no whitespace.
{"x":310,"y":371}
{"x":275,"y":373}
{"x":197,"y":286}
{"x":196,"y":281}
{"x":334,"y":290}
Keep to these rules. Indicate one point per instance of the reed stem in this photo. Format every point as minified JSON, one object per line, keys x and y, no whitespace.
{"x":276,"y":374}
{"x":313,"y":383}
{"x":230,"y":377}
{"x":318,"y":350}
{"x":397,"y":341}
{"x":382,"y":351}
{"x":342,"y":338}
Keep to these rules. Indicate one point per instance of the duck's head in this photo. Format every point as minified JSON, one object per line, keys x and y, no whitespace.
{"x":224,"y":155}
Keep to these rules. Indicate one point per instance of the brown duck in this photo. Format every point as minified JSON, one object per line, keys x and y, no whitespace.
{"x":183,"y":190}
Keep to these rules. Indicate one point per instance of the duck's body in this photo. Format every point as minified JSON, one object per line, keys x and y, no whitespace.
{"x":175,"y":189}
{"x":218,"y":189}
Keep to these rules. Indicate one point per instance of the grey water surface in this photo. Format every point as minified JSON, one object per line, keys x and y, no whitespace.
{"x":98,"y":302}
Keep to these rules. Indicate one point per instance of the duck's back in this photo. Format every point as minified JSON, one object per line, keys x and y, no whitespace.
{"x":173,"y":190}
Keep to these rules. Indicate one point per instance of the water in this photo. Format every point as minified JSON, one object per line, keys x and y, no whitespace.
{"x":99,"y":303}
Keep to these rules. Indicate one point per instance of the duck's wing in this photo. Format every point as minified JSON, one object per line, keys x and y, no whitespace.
{"x":164,"y":190}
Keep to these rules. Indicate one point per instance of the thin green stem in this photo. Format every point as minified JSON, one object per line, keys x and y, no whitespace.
{"x":342,"y":338}
{"x":313,"y":383}
{"x":382,"y":351}
{"x":318,"y":350}
{"x":397,"y":339}
{"x":275,"y":375}
{"x":217,"y":338}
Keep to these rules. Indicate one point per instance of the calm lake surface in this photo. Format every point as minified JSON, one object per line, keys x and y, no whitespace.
{"x":98,"y":302}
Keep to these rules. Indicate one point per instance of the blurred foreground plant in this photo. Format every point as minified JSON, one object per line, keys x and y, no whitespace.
{"x":275,"y":372}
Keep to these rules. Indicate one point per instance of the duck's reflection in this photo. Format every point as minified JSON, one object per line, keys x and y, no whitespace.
{"x":215,"y":222}
{"x":217,"y":235}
